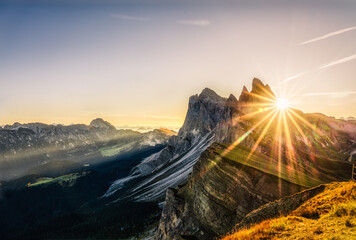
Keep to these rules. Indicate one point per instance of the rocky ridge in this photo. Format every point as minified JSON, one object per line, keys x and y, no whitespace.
{"x":224,"y":186}
{"x":208,"y":119}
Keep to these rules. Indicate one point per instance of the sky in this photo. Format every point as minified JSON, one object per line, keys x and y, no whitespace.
{"x":136,"y":62}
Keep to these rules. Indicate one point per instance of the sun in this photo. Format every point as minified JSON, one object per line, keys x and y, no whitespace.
{"x":282,"y":104}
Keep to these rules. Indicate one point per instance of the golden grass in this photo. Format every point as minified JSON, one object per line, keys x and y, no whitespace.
{"x":329,"y":215}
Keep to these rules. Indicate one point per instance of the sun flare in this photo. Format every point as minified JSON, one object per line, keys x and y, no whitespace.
{"x":282,"y":104}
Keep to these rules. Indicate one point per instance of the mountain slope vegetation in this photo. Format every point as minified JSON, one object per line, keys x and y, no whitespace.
{"x":330,"y":214}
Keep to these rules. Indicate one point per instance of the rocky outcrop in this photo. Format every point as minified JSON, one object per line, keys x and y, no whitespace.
{"x":211,"y":118}
{"x":279,"y":208}
{"x":268,"y":164}
{"x":219,"y":193}
{"x":208,"y":119}
{"x":205,"y":111}
{"x":317,"y":213}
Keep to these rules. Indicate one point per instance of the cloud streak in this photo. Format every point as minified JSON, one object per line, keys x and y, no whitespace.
{"x":127,"y":17}
{"x":201,"y":23}
{"x":333,"y":63}
{"x":333,"y":94}
{"x":328,"y":35}
{"x":294,"y":77}
{"x":339,"y":61}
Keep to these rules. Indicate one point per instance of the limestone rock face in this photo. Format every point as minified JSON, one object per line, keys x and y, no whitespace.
{"x":222,"y":190}
{"x":279,"y":208}
{"x":204,"y":113}
{"x":217,"y":196}
{"x":208,"y":119}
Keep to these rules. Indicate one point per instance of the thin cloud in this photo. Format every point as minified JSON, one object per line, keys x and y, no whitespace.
{"x":339,"y":61}
{"x":333,"y":94}
{"x":328,"y":35}
{"x":294,"y":77}
{"x":333,"y":63}
{"x":126,"y":17}
{"x":201,"y":23}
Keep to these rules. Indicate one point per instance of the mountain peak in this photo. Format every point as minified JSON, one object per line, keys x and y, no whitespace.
{"x":208,"y":93}
{"x":244,"y":95}
{"x":100,"y":123}
{"x":261,"y":89}
{"x":257,"y":85}
{"x":257,"y":82}
{"x":231,"y":102}
{"x":232,"y":98}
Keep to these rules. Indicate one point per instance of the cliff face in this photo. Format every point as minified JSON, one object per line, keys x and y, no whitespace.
{"x":219,"y":193}
{"x":208,"y":119}
{"x":260,"y":154}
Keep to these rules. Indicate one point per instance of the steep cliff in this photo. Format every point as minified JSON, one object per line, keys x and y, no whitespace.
{"x":262,"y":154}
{"x":208,"y":119}
{"x":219,"y":193}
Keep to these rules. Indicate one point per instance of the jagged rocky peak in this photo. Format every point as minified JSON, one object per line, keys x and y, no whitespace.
{"x":261,"y":89}
{"x":210,"y":94}
{"x":258,"y":94}
{"x":256,"y":83}
{"x":244,"y":95}
{"x":232,"y":103}
{"x":205,"y":111}
{"x":100,"y":123}
{"x":232,"y":99}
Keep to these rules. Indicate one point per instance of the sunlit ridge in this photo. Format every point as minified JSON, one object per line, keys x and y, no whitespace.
{"x":273,"y":118}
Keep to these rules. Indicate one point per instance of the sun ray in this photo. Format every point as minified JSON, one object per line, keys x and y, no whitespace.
{"x":241,"y":138}
{"x":263,"y":88}
{"x":306,"y":122}
{"x":262,"y":97}
{"x":296,"y":167}
{"x":265,"y":129}
{"x":297,"y":126}
{"x":254,"y":113}
{"x":256,"y":104}
{"x":279,"y":136}
{"x":283,"y":151}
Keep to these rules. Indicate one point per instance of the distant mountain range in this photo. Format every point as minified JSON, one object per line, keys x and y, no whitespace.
{"x":349,"y":119}
{"x":25,"y":148}
{"x":144,"y":129}
{"x":230,"y":157}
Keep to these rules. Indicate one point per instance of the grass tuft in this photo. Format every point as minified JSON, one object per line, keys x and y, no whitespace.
{"x":310,"y":213}
{"x":348,"y":223}
{"x":345,"y":209}
{"x":318,"y":230}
